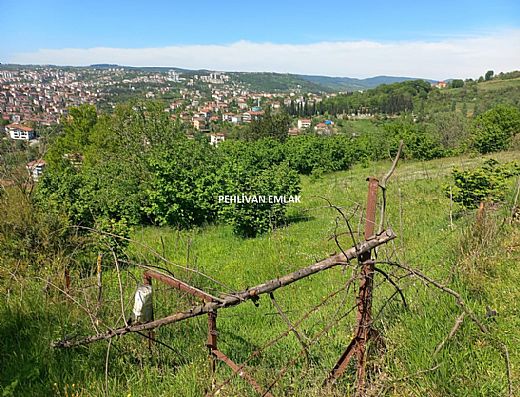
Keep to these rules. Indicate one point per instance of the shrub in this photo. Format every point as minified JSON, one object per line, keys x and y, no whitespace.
{"x":485,"y":183}
{"x":184,"y":185}
{"x":494,"y":129}
{"x":251,"y":219}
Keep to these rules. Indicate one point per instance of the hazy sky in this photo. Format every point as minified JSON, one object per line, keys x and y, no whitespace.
{"x":439,"y":39}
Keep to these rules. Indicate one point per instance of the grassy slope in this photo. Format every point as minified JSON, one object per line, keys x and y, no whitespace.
{"x":468,"y":366}
{"x":482,"y":96}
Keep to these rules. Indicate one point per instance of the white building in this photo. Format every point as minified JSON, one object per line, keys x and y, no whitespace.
{"x":304,"y":123}
{"x":17,"y":131}
{"x":215,"y":139}
{"x":35,"y":169}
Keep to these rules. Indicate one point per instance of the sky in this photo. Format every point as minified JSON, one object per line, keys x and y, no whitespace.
{"x":438,"y":39}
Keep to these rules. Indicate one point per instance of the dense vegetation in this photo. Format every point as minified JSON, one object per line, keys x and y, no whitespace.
{"x":135,"y":174}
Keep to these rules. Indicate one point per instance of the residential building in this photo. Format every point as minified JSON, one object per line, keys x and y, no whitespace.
{"x":18,"y":131}
{"x":35,"y":169}
{"x":216,"y":138}
{"x":304,"y":123}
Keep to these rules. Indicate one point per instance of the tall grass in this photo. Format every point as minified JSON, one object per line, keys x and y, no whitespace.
{"x":401,"y":364}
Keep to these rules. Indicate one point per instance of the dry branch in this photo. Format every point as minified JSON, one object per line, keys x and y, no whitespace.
{"x":291,"y":327}
{"x":448,"y":290}
{"x":382,"y":185}
{"x":454,"y":329}
{"x":250,"y":293}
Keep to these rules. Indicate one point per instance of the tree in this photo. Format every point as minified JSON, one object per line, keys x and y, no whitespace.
{"x":269,"y":125}
{"x":244,"y":179}
{"x":76,"y":136}
{"x":494,"y":129}
{"x":185,"y":185}
{"x":489,"y":75}
{"x":452,"y":129}
{"x":457,"y":83}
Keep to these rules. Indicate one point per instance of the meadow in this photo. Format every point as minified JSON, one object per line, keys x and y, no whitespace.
{"x":484,"y":270}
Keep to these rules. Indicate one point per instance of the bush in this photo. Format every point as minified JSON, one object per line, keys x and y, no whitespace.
{"x":305,"y":153}
{"x":494,"y":129}
{"x":485,"y":183}
{"x":243,"y":179}
{"x":185,"y":185}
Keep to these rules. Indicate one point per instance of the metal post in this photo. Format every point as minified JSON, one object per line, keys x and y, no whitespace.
{"x":212,"y":339}
{"x":364,"y":300}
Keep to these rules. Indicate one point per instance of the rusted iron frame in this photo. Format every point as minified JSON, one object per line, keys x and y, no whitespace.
{"x":358,"y":344}
{"x":217,"y":354}
{"x":240,"y":371}
{"x":180,"y":285}
{"x":341,"y":259}
{"x":214,"y":353}
{"x":212,"y":338}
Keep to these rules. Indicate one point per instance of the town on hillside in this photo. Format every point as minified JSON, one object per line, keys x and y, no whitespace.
{"x":32,"y":97}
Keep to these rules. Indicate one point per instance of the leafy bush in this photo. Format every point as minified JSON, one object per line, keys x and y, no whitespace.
{"x":305,"y":153}
{"x":185,"y":184}
{"x":243,"y":179}
{"x":485,"y":183}
{"x":420,"y":142}
{"x":494,"y":129}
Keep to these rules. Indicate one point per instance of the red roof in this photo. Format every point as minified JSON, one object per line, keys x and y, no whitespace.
{"x":36,"y":163}
{"x":19,"y":127}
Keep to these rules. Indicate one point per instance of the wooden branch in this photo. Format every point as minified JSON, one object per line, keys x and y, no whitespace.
{"x":291,"y":327}
{"x":382,"y":185}
{"x":250,"y":293}
{"x":448,"y":290}
{"x":508,"y":369}
{"x":515,"y":201}
{"x":454,"y":329}
{"x":389,"y":279}
{"x":99,"y":278}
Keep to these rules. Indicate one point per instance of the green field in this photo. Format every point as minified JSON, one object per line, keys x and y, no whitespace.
{"x":485,"y":273}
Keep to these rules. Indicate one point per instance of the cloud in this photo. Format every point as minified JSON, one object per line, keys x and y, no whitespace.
{"x":444,"y":58}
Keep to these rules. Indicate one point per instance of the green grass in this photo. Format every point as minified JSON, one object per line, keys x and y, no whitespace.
{"x":418,"y":211}
{"x":498,"y":84}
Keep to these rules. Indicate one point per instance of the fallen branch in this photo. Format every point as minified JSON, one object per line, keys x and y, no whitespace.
{"x":291,"y":327}
{"x":456,"y":295}
{"x":250,"y":293}
{"x":389,"y":279}
{"x":458,"y":322}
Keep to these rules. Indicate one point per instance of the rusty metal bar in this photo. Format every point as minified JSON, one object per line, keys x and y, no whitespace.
{"x":212,"y":338}
{"x":357,"y":346}
{"x":66,"y":279}
{"x":240,"y":372}
{"x":370,"y":219}
{"x":180,"y":285}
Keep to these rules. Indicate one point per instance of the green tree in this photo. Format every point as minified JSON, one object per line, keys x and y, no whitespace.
{"x":493,"y":130}
{"x":244,"y":179}
{"x":269,"y":125}
{"x":485,"y":183}
{"x":457,"y":83}
{"x":185,"y":184}
{"x":489,"y":75}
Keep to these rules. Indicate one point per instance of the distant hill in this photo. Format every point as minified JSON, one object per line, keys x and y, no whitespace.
{"x":264,"y":81}
{"x":268,"y":81}
{"x":103,"y":66}
{"x":353,"y":84}
{"x":272,"y":82}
